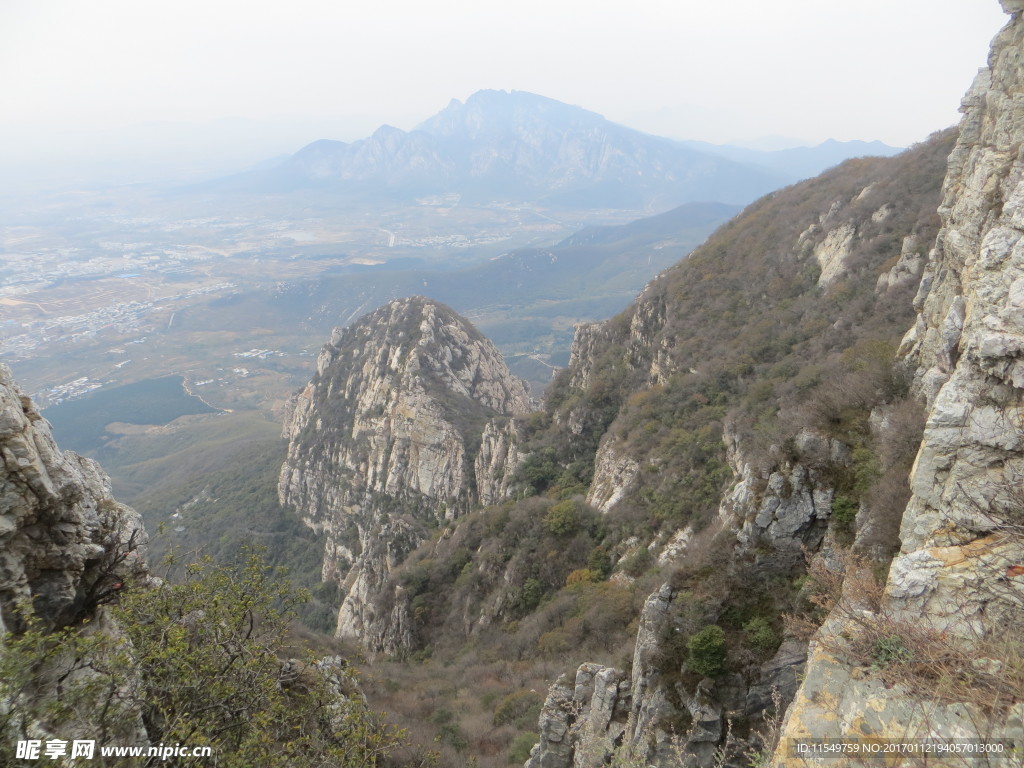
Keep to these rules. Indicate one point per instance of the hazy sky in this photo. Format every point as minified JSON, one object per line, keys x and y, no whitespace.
{"x":73,"y":72}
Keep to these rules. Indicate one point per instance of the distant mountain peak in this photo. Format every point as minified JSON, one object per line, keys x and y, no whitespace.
{"x":517,"y":146}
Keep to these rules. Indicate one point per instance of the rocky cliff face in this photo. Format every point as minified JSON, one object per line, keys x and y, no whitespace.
{"x":636,"y":715}
{"x":661,"y":384}
{"x":383,"y":440}
{"x":955,"y":579}
{"x":499,"y":457}
{"x":65,"y":543}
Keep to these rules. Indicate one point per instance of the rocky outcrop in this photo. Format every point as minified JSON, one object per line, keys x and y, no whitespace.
{"x":635,"y":716}
{"x":789,"y":505}
{"x":496,"y":464}
{"x":832,"y":252}
{"x":67,"y":547}
{"x":385,"y":412}
{"x":961,"y":534}
{"x":965,"y":501}
{"x":580,"y":727}
{"x":361,"y":614}
{"x":907,"y":270}
{"x":382,"y":444}
{"x":65,"y":544}
{"x":615,"y":472}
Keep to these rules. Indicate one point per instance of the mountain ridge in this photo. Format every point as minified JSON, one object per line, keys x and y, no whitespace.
{"x":500,"y":146}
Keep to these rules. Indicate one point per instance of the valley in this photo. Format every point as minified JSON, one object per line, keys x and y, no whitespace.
{"x":586,"y":447}
{"x":81,"y":282}
{"x":104,"y":286}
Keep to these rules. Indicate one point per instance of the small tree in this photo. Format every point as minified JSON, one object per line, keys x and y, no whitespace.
{"x":707,"y":651}
{"x":563,"y":519}
{"x":206,"y":652}
{"x":196,"y":664}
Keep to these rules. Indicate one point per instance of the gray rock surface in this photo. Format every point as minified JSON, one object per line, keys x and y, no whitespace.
{"x":65,"y":543}
{"x":379,"y":447}
{"x":497,"y":461}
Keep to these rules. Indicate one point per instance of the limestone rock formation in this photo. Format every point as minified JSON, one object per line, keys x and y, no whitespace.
{"x":66,"y":548}
{"x":961,"y":534}
{"x":499,"y":457}
{"x":65,"y":543}
{"x":593,"y":712}
{"x":382,"y":445}
{"x":791,"y":505}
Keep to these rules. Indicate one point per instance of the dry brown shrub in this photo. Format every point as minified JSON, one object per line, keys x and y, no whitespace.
{"x":942,"y":665}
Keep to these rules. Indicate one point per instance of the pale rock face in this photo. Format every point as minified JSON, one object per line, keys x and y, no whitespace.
{"x":642,"y":348}
{"x":788,"y":506}
{"x":60,"y":526}
{"x":497,"y":461}
{"x":882,"y":213}
{"x":970,"y":353}
{"x":383,"y":430}
{"x":649,"y":703}
{"x":555,"y":748}
{"x":832,"y":252}
{"x":906,"y":270}
{"x":968,"y":346}
{"x":360,"y":617}
{"x":586,"y":343}
{"x":676,"y":546}
{"x":614,"y":475}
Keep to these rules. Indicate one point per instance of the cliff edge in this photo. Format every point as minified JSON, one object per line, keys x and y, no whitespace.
{"x":65,"y":544}
{"x":938,"y":655}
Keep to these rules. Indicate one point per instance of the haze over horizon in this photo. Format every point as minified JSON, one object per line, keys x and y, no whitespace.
{"x":201,"y":88}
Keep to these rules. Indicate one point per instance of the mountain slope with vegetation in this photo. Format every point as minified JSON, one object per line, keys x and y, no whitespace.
{"x":747,"y":408}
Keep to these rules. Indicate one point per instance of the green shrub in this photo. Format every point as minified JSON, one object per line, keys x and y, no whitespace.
{"x":531,"y":594}
{"x":844,"y":510}
{"x":521,"y":708}
{"x":889,"y":650}
{"x":600,"y":562}
{"x":452,"y":735}
{"x":760,"y":635}
{"x":581,"y":576}
{"x":638,"y":562}
{"x":707,"y":651}
{"x":563,"y":519}
{"x":539,"y":470}
{"x":519,"y":752}
{"x":200,"y":660}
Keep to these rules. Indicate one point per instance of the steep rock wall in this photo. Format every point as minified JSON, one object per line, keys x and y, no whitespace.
{"x":65,"y":543}
{"x":496,"y":463}
{"x":382,"y":445}
{"x":961,"y":535}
